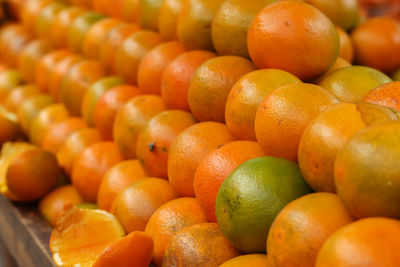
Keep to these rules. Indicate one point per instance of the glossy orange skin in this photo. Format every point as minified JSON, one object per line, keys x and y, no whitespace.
{"x":285,"y":113}
{"x":307,"y":32}
{"x":153,"y":64}
{"x":130,"y":120}
{"x":31,"y":10}
{"x":377,"y":42}
{"x":59,"y":132}
{"x":168,"y":18}
{"x":211,"y":84}
{"x":74,"y":144}
{"x":177,"y":76}
{"x":91,"y":165}
{"x":117,"y":179}
{"x":291,"y":241}
{"x":156,"y":137}
{"x":131,"y":52}
{"x":46,"y":18}
{"x":96,"y":36}
{"x":368,"y":242}
{"x":169,"y":219}
{"x":134,"y":206}
{"x":189,"y":148}
{"x":108,"y":106}
{"x":18,"y":95}
{"x":216,"y":166}
{"x":346,"y":45}
{"x":386,"y":95}
{"x":112,"y":42}
{"x":136,"y":247}
{"x":75,"y":84}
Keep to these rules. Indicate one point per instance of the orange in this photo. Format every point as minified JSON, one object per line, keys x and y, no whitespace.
{"x":90,"y":166}
{"x":189,"y":148}
{"x":53,"y":204}
{"x":386,"y":95}
{"x":116,"y":8}
{"x":131,"y":52}
{"x":149,"y":11}
{"x":285,"y":113}
{"x":307,"y":32}
{"x":377,"y":42}
{"x":74,"y":144}
{"x":60,"y":131}
{"x":211,"y":84}
{"x":216,"y":166}
{"x":317,"y":151}
{"x":231,"y":23}
{"x":46,"y":18}
{"x":134,"y":206}
{"x":9,"y":31}
{"x":246,"y":96}
{"x":96,"y":36}
{"x":77,"y":81}
{"x":117,"y":179}
{"x":177,"y":76}
{"x":292,"y":241}
{"x":10,"y":129}
{"x":199,"y":245}
{"x":14,"y":45}
{"x":168,"y":18}
{"x":82,"y":3}
{"x":112,"y":42}
{"x":367,"y":242}
{"x":250,"y":260}
{"x":8,"y":80}
{"x":31,"y":10}
{"x":130,"y":10}
{"x":100,"y":6}
{"x":153,"y":64}
{"x":130,"y":120}
{"x":155,"y":140}
{"x":18,"y":95}
{"x":367,"y":180}
{"x":346,"y":45}
{"x":194,"y":23}
{"x":137,"y":248}
{"x":169,"y":219}
{"x":108,"y":105}
{"x":340,"y":63}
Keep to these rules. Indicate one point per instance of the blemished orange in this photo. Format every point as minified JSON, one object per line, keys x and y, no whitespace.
{"x":136,"y":247}
{"x":90,"y":166}
{"x":189,"y":148}
{"x":307,"y":32}
{"x":177,"y":76}
{"x":247,"y":94}
{"x":346,"y":45}
{"x":285,"y":113}
{"x":52,"y":205}
{"x":205,"y":241}
{"x":134,"y":205}
{"x":386,"y":95}
{"x":250,"y":260}
{"x":117,"y":179}
{"x":74,"y":144}
{"x":292,"y":241}
{"x":168,"y":18}
{"x":211,"y":84}
{"x":31,"y":10}
{"x":60,"y":131}
{"x":18,"y":95}
{"x":377,"y":42}
{"x":216,"y":166}
{"x":46,"y":18}
{"x":153,"y":64}
{"x":108,"y":105}
{"x":77,"y":81}
{"x":169,"y":219}
{"x":131,"y":52}
{"x":130,"y":120}
{"x":367,"y":242}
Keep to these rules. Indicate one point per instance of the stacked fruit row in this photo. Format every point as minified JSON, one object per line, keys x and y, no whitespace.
{"x":202,"y":128}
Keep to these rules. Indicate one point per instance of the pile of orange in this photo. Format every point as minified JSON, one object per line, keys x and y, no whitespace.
{"x":204,"y":133}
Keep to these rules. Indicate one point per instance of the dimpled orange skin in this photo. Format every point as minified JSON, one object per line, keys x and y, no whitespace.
{"x":307,"y":47}
{"x":117,"y":179}
{"x":177,"y":76}
{"x":130,"y":120}
{"x":346,"y":45}
{"x":155,"y":140}
{"x":211,"y":84}
{"x":91,"y":165}
{"x":371,"y":242}
{"x":386,"y":95}
{"x":285,"y":113}
{"x":152,"y":66}
{"x":292,"y":240}
{"x":131,"y":52}
{"x":189,"y":148}
{"x":216,"y":166}
{"x":377,"y":44}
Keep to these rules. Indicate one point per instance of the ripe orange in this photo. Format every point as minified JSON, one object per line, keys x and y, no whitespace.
{"x":149,"y":11}
{"x":250,"y":260}
{"x":15,"y":43}
{"x":386,"y":95}
{"x":346,"y":45}
{"x":46,"y":18}
{"x":130,"y":10}
{"x":8,"y":81}
{"x":340,"y":63}
{"x":168,"y":18}
{"x":10,"y":130}
{"x":18,"y":95}
{"x":82,"y":3}
{"x":31,"y":10}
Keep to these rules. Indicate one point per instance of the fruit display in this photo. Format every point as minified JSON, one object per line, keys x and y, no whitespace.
{"x":205,"y":133}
